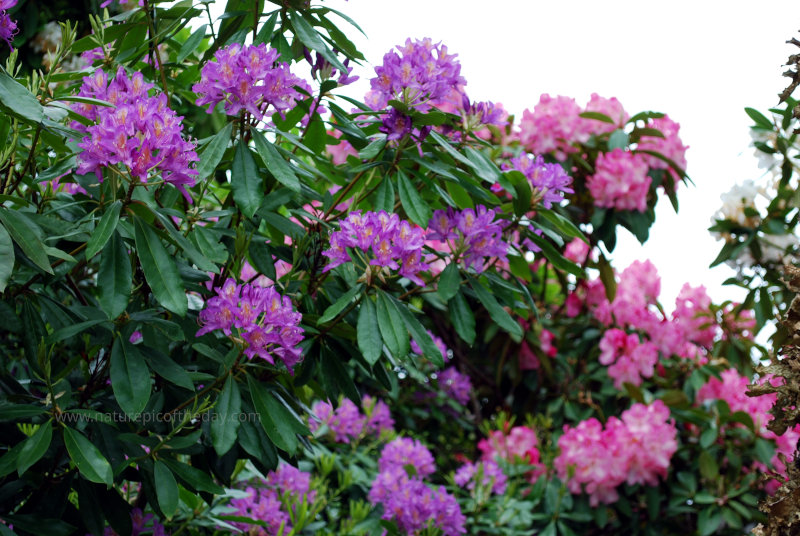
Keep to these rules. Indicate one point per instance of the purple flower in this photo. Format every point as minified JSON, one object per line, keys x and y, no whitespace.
{"x":261,"y":505}
{"x":264,"y":319}
{"x":455,"y":385}
{"x":549,"y":182}
{"x":140,"y":132}
{"x":347,"y":423}
{"x":395,"y":125}
{"x":405,"y":451}
{"x":490,"y":476}
{"x":248,"y":78}
{"x":476,"y":234}
{"x":392,"y":243}
{"x":288,"y":479}
{"x":378,"y":414}
{"x":8,"y":27}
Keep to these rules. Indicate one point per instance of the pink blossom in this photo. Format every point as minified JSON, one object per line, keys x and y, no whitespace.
{"x":620,"y":181}
{"x":577,"y":251}
{"x":669,"y":146}
{"x":693,"y":316}
{"x":609,"y":107}
{"x":630,"y":360}
{"x":553,"y":126}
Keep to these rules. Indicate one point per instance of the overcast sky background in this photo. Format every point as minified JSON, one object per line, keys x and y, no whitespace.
{"x":701,"y":62}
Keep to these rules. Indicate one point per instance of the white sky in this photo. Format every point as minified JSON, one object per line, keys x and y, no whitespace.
{"x":701,"y":62}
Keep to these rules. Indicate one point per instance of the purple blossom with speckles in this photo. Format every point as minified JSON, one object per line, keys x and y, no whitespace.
{"x":490,"y":474}
{"x":475,"y":233}
{"x":455,"y":385}
{"x":264,"y":319}
{"x":549,"y":182}
{"x":347,"y":423}
{"x":248,"y":78}
{"x":405,"y":451}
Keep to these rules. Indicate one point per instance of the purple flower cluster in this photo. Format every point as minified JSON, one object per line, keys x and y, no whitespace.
{"x":265,"y":320}
{"x":389,"y":241}
{"x":248,"y":78}
{"x":347,"y":423}
{"x":139,"y":521}
{"x":455,"y":385}
{"x":489,"y":473}
{"x":8,"y":27}
{"x":140,"y":131}
{"x":270,"y":501}
{"x":549,"y":182}
{"x":321,"y":69}
{"x":407,"y":499}
{"x":422,"y":72}
{"x":476,"y":234}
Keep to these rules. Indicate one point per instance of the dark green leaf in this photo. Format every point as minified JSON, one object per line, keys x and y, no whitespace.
{"x":89,"y":461}
{"x":130,"y":377}
{"x":114,"y":278}
{"x":760,"y":119}
{"x":415,"y":207}
{"x":369,"y":336}
{"x":280,"y":169}
{"x":340,"y":305}
{"x":310,"y":38}
{"x":708,"y":465}
{"x":160,"y":269}
{"x":371,"y":151}
{"x":554,"y":256}
{"x":105,"y":228}
{"x":194,"y":478}
{"x":168,"y":369}
{"x":384,"y":197}
{"x":26,"y":234}
{"x":275,"y":418}
{"x":191,"y":44}
{"x":261,"y":256}
{"x":212,"y":154}
{"x":245,"y":181}
{"x":462,"y":318}
{"x":34,"y":447}
{"x":192,"y":253}
{"x":16,"y":412}
{"x":6,"y":258}
{"x":564,"y":225}
{"x":166,"y":488}
{"x":598,"y":116}
{"x":449,"y":282}
{"x":225,"y":420}
{"x":73,"y":329}
{"x":392,"y":327}
{"x":18,"y":101}
{"x":498,"y":314}
{"x":420,"y":335}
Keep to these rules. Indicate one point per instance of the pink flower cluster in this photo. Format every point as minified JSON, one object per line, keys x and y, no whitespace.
{"x":387,"y":239}
{"x":635,"y":449}
{"x":264,"y":319}
{"x":8,"y":27}
{"x":475,"y":234}
{"x":486,"y":474}
{"x":628,"y":359}
{"x":421,"y":72}
{"x":269,"y":501}
{"x":548,"y":182}
{"x":248,"y":78}
{"x":347,"y":423}
{"x":406,"y":498}
{"x":620,"y":181}
{"x":517,"y":445}
{"x":141,"y":132}
{"x":555,"y":124}
{"x":670,"y":146}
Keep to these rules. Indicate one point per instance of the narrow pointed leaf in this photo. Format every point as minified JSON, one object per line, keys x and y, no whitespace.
{"x":340,"y":305}
{"x":115,"y":277}
{"x":6,"y":258}
{"x":130,"y":377}
{"x":160,"y":269}
{"x":280,"y":168}
{"x":23,"y":231}
{"x":105,"y":228}
{"x":415,"y":207}
{"x":213,"y":152}
{"x":34,"y":447}
{"x":225,"y":422}
{"x":275,"y":418}
{"x":496,"y":312}
{"x":245,"y":181}
{"x":392,"y":328}
{"x":462,"y":318}
{"x":368,"y":332}
{"x":166,"y":488}
{"x":449,"y":282}
{"x":87,"y":458}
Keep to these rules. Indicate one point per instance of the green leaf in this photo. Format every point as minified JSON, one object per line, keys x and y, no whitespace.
{"x":310,"y":38}
{"x":340,"y":305}
{"x":73,"y":329}
{"x":191,"y":44}
{"x":18,"y":101}
{"x":246,"y":183}
{"x":105,"y":228}
{"x":192,"y":253}
{"x":160,"y":269}
{"x":166,"y":488}
{"x":449,"y":282}
{"x":275,"y":418}
{"x":213,"y":152}
{"x":225,"y":421}
{"x":368,"y":332}
{"x":708,"y":465}
{"x":168,"y":369}
{"x":618,"y":140}
{"x":462,"y":318}
{"x":26,"y":234}
{"x":371,"y":151}
{"x":194,"y":478}
{"x":6,"y":258}
{"x":708,"y":437}
{"x":420,"y":335}
{"x":554,"y":256}
{"x":759,"y":118}
{"x":598,"y":116}
{"x":415,"y":207}
{"x":130,"y":377}
{"x":335,"y":379}
{"x":15,"y":412}
{"x":564,"y":225}
{"x":280,"y":169}
{"x":90,"y":462}
{"x":708,"y":521}
{"x":498,"y":314}
{"x":114,"y":278}
{"x":384,"y":197}
{"x":34,"y":447}
{"x":392,"y":327}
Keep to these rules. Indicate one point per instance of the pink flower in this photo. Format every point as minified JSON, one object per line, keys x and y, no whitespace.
{"x":630,"y":360}
{"x":669,"y":146}
{"x":609,"y":107}
{"x":553,"y":126}
{"x":620,"y":181}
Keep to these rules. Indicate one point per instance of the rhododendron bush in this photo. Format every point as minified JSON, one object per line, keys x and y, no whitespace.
{"x":236,"y":298}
